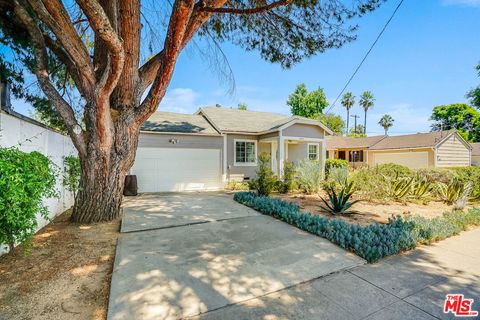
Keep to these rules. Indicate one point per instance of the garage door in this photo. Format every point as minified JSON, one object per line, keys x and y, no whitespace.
{"x":168,"y":169}
{"x":413,"y":160}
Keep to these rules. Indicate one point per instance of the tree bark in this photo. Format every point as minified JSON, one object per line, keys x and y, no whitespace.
{"x":102,"y":180}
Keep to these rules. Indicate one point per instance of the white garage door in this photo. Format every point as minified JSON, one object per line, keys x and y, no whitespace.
{"x":168,"y":169}
{"x":413,"y":160}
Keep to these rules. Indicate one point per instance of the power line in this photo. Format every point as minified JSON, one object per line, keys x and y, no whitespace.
{"x":366,"y":55}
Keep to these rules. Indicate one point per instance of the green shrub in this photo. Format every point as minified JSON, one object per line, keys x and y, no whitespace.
{"x":338,"y":203}
{"x":339,"y":176}
{"x":371,"y":185}
{"x":335,"y":163}
{"x":266,"y":180}
{"x":288,"y":184}
{"x":237,"y":186}
{"x":309,"y":175}
{"x":394,"y":170}
{"x":71,"y":174}
{"x":452,"y":191}
{"x":398,"y":188}
{"x":422,"y":188}
{"x":427,"y":231}
{"x":25,"y":179}
{"x":372,"y":242}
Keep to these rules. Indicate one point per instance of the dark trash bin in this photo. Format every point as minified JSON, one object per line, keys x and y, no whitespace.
{"x":131,"y":186}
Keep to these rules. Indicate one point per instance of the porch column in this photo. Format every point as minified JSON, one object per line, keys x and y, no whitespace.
{"x":323,"y":156}
{"x":281,"y":156}
{"x":274,"y":155}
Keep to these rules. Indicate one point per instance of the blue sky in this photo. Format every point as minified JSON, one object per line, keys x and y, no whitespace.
{"x":425,"y":58}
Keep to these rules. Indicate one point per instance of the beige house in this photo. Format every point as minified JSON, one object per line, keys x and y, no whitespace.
{"x":475,"y":154}
{"x":421,"y":150}
{"x":180,"y":152}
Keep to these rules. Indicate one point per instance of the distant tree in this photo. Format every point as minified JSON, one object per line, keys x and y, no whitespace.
{"x":307,"y":104}
{"x":461,"y":117}
{"x":334,"y":122}
{"x":242,"y":106}
{"x":474,"y":94}
{"x":357,"y":132}
{"x":366,"y":102}
{"x":386,"y":122}
{"x":348,"y":101}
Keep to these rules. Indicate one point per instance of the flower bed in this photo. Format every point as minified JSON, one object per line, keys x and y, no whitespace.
{"x":371,"y":242}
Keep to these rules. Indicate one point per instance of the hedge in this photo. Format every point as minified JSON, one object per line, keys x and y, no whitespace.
{"x":371,"y":242}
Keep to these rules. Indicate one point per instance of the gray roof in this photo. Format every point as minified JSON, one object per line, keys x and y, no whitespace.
{"x":247,"y":121}
{"x":475,"y":149}
{"x":178,"y":123}
{"x":408,"y":141}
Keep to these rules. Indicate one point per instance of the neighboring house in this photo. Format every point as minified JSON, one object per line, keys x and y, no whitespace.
{"x":475,"y":154}
{"x":178,"y":152}
{"x":421,"y":150}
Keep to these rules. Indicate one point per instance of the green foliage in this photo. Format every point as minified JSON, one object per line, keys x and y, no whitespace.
{"x":366,"y":102}
{"x":398,"y":188}
{"x":25,"y":179}
{"x":339,"y":176}
{"x":309,"y":175}
{"x":242,"y":106}
{"x":334,"y":122}
{"x":427,"y":231}
{"x":474,"y":94}
{"x":461,"y":117}
{"x":372,"y":242}
{"x":237,"y":186}
{"x":348,"y":100}
{"x":266,"y":180}
{"x":339,"y":203}
{"x":394,"y":170}
{"x":307,"y":104}
{"x":288,"y":184}
{"x":422,"y":188}
{"x":386,"y":121}
{"x":71,"y":174}
{"x":357,"y":132}
{"x":335,"y":163}
{"x":452,"y":191}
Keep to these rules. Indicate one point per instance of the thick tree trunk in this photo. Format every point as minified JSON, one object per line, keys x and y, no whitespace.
{"x":102,"y":181}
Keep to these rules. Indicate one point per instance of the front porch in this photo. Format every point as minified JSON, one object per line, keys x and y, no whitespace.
{"x":293,"y":149}
{"x":356,"y":157}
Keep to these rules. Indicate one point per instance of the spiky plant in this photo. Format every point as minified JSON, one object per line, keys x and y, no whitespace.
{"x":398,"y":188}
{"x":338,"y":203}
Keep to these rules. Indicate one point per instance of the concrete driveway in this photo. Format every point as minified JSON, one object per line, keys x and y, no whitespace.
{"x":182,"y":255}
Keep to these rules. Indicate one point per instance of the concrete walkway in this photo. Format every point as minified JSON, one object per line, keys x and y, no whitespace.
{"x":181,"y":255}
{"x":203,"y":256}
{"x":408,"y":286}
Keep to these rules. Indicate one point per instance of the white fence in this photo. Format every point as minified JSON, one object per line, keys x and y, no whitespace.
{"x":27,"y":135}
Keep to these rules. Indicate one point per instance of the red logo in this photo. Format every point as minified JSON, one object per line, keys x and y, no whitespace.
{"x":459,"y":306}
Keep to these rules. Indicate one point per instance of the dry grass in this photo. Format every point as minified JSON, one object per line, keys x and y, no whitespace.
{"x":65,"y":276}
{"x":369,"y":212}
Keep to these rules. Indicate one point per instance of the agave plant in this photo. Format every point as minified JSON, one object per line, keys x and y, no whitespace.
{"x":452,"y":191}
{"x":399,"y":188}
{"x":461,"y":202}
{"x":338,"y":203}
{"x":421,"y":189}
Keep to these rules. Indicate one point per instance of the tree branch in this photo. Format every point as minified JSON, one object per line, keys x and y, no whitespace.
{"x":103,"y":29}
{"x":174,"y":43}
{"x":62,"y":107}
{"x":55,"y":16}
{"x":255,"y":10}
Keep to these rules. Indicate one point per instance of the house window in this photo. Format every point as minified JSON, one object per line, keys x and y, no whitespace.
{"x":245,"y":152}
{"x":313,"y":151}
{"x":356,"y":156}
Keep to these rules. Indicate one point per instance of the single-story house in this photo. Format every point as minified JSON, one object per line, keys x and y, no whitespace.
{"x":475,"y":154}
{"x":202,"y":151}
{"x":421,"y":150}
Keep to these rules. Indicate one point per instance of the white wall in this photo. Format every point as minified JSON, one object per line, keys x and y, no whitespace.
{"x":29,"y":137}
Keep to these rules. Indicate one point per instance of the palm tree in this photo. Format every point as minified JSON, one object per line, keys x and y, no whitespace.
{"x":386,"y":122}
{"x":366,"y":102}
{"x":348,"y":100}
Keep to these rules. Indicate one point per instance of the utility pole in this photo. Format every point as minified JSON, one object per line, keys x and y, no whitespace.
{"x":355,"y":128}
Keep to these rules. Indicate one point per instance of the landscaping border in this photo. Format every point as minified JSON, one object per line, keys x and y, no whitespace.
{"x":371,"y":242}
